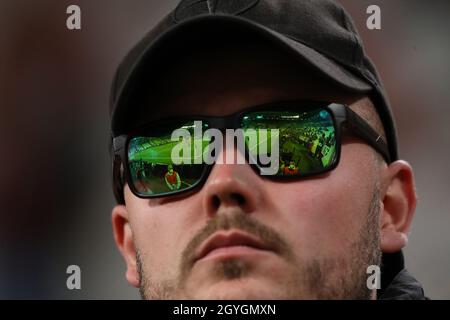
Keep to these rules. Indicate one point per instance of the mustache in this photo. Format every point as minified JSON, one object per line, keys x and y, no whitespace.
{"x":235,"y":220}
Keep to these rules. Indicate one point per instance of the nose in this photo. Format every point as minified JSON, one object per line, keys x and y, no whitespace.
{"x":234,"y":186}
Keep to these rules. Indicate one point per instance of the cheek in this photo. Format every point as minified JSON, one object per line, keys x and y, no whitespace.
{"x":159,"y":234}
{"x":325,"y":214}
{"x":152,"y":237}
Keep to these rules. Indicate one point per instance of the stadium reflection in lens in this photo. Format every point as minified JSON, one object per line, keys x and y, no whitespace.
{"x":307,"y":139}
{"x":151,"y":165}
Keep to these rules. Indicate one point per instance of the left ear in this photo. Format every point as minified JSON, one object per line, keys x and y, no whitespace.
{"x":398,"y":197}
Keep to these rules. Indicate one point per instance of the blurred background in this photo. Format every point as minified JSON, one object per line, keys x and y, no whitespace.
{"x":55,"y":188}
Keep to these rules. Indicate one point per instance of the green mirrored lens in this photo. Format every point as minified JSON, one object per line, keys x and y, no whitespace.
{"x":159,"y":164}
{"x":307,"y":139}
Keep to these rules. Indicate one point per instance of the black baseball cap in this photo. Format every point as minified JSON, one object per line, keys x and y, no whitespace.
{"x":319,"y":32}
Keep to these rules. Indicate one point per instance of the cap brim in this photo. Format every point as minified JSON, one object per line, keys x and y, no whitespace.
{"x":202,"y":27}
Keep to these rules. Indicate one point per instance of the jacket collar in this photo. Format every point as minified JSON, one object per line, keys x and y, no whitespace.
{"x":403,"y":287}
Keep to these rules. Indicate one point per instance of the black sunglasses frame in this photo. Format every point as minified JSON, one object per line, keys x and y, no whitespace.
{"x":341,"y":114}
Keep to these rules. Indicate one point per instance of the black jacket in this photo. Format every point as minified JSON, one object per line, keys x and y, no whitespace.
{"x":396,"y":282}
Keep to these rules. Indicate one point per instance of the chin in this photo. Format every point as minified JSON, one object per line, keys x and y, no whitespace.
{"x":242,"y":289}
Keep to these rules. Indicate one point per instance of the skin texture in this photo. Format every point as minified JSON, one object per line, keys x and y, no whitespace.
{"x":325,"y":230}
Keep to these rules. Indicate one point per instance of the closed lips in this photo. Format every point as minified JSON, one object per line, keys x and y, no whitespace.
{"x":229,"y":239}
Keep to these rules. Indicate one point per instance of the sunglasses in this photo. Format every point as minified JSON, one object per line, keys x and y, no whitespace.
{"x":303,"y":139}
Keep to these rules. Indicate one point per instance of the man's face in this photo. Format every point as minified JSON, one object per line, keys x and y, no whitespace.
{"x":320,"y":233}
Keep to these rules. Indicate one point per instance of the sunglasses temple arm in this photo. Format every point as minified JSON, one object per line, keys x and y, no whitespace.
{"x":359,"y":126}
{"x":117,"y":146}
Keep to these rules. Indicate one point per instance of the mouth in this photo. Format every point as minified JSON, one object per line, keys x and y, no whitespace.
{"x":230,"y":244}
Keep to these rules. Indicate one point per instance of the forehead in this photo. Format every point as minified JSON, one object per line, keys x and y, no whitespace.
{"x":224,"y":79}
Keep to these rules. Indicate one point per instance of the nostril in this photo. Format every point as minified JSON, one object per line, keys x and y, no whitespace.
{"x":239,"y":198}
{"x":216,"y":202}
{"x":235,"y":198}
